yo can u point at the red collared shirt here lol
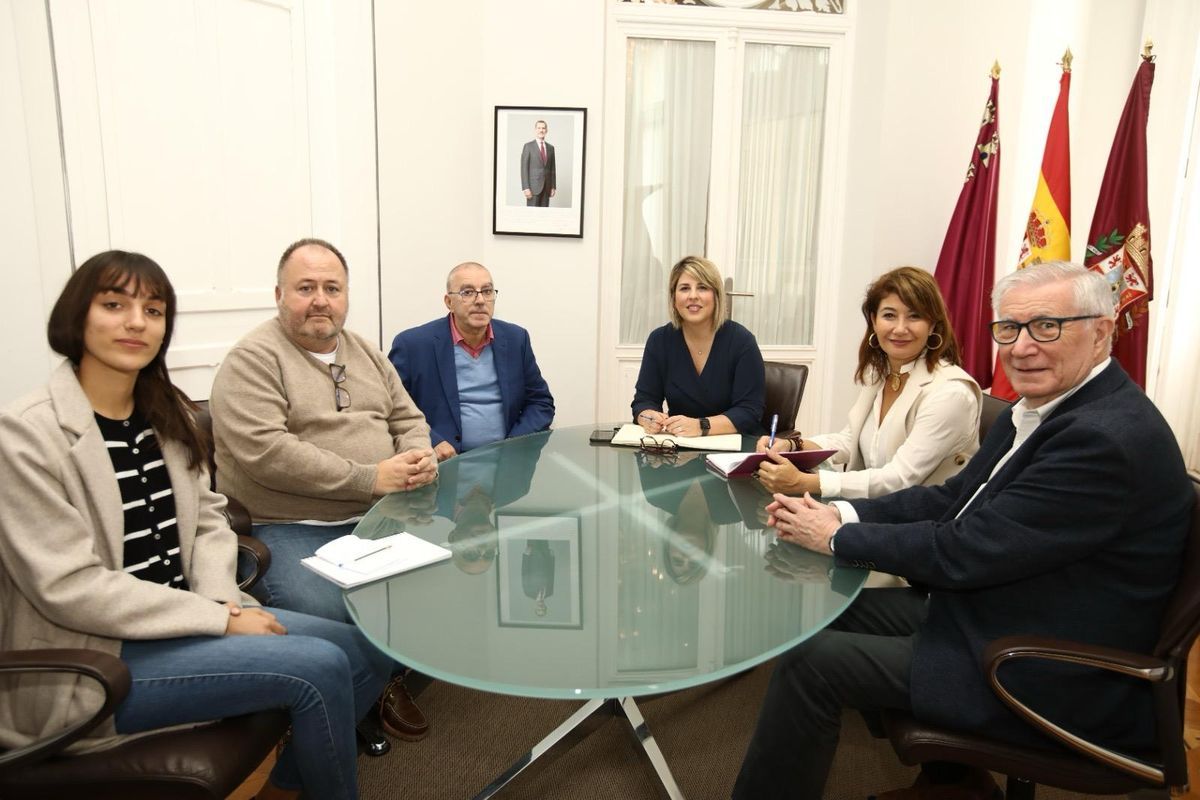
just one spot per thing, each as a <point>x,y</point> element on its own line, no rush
<point>459,340</point>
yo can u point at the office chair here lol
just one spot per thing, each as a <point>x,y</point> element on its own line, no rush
<point>205,763</point>
<point>992,408</point>
<point>1084,767</point>
<point>785,390</point>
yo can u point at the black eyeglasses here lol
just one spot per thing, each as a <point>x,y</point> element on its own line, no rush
<point>469,294</point>
<point>666,456</point>
<point>341,396</point>
<point>1041,329</point>
<point>657,447</point>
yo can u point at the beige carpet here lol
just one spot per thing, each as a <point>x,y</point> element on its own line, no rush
<point>703,732</point>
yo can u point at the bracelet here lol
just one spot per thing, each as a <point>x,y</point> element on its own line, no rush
<point>797,441</point>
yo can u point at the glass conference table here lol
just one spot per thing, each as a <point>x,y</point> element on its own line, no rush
<point>596,573</point>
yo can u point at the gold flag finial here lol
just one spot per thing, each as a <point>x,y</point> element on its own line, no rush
<point>1148,47</point>
<point>1066,60</point>
<point>996,69</point>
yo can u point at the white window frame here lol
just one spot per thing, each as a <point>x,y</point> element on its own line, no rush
<point>617,365</point>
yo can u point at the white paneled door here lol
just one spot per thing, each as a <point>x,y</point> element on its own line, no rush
<point>209,134</point>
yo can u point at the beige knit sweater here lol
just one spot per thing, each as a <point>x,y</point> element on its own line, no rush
<point>284,450</point>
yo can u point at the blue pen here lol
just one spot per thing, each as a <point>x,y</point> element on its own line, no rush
<point>774,425</point>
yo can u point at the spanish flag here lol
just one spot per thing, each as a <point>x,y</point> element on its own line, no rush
<point>1048,230</point>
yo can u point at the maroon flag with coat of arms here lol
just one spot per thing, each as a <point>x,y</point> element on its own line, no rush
<point>967,263</point>
<point>1119,239</point>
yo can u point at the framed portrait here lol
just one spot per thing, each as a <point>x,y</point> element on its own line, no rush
<point>537,171</point>
<point>538,575</point>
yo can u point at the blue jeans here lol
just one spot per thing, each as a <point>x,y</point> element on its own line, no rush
<point>325,674</point>
<point>289,584</point>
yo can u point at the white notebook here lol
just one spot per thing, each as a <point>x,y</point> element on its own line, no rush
<point>350,561</point>
<point>631,435</point>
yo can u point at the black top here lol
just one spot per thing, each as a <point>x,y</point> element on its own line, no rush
<point>733,382</point>
<point>151,535</point>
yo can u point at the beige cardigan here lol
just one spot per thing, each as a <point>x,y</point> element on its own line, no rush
<point>62,583</point>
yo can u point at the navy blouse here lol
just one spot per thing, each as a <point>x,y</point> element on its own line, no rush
<point>733,382</point>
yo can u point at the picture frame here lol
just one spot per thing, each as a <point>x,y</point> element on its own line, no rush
<point>538,576</point>
<point>536,190</point>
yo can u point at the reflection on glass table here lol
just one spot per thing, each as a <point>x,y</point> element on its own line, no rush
<point>592,572</point>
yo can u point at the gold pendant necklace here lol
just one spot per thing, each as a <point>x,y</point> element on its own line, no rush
<point>894,377</point>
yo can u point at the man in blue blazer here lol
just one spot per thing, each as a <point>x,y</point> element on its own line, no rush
<point>1069,522</point>
<point>474,377</point>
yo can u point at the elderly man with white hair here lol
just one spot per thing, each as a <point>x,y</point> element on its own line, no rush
<point>1069,522</point>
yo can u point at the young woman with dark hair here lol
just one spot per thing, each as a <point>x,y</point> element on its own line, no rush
<point>111,540</point>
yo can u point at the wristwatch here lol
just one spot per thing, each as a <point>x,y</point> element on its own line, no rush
<point>704,426</point>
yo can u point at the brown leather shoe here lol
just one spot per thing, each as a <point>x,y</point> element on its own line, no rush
<point>977,784</point>
<point>399,715</point>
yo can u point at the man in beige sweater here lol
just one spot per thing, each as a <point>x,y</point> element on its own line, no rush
<point>312,424</point>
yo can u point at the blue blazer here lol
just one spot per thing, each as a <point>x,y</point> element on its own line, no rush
<point>424,357</point>
<point>733,382</point>
<point>1078,536</point>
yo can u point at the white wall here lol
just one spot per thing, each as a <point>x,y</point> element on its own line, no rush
<point>917,90</point>
<point>919,82</point>
<point>919,86</point>
<point>35,261</point>
<point>441,69</point>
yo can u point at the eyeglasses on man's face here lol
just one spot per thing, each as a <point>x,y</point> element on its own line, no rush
<point>1041,329</point>
<point>488,294</point>
<point>341,395</point>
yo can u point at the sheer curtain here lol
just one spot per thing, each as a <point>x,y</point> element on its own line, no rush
<point>668,148</point>
<point>783,117</point>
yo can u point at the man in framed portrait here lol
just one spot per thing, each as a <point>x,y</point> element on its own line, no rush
<point>538,168</point>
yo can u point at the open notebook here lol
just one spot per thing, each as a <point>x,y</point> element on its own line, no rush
<point>741,465</point>
<point>632,434</point>
<point>350,561</point>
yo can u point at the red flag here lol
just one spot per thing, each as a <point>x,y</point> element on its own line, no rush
<point>1119,239</point>
<point>1048,231</point>
<point>968,259</point>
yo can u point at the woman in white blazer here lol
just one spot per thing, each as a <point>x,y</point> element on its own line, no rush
<point>111,540</point>
<point>916,419</point>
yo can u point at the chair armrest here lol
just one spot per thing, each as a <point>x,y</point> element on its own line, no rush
<point>241,523</point>
<point>262,559</point>
<point>1162,676</point>
<point>238,516</point>
<point>109,671</point>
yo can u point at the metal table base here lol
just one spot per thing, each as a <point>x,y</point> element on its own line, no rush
<point>590,716</point>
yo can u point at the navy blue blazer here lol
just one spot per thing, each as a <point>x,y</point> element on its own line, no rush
<point>1078,536</point>
<point>424,357</point>
<point>733,382</point>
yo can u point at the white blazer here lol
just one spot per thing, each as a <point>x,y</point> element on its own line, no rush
<point>927,436</point>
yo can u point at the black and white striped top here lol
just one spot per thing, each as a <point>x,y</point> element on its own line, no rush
<point>151,535</point>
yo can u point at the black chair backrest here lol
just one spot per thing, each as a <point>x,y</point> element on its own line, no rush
<point>785,390</point>
<point>1181,623</point>
<point>992,408</point>
<point>203,418</point>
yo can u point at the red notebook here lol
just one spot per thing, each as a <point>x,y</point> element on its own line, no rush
<point>742,465</point>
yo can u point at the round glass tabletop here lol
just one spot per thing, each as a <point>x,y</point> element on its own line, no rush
<point>583,571</point>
